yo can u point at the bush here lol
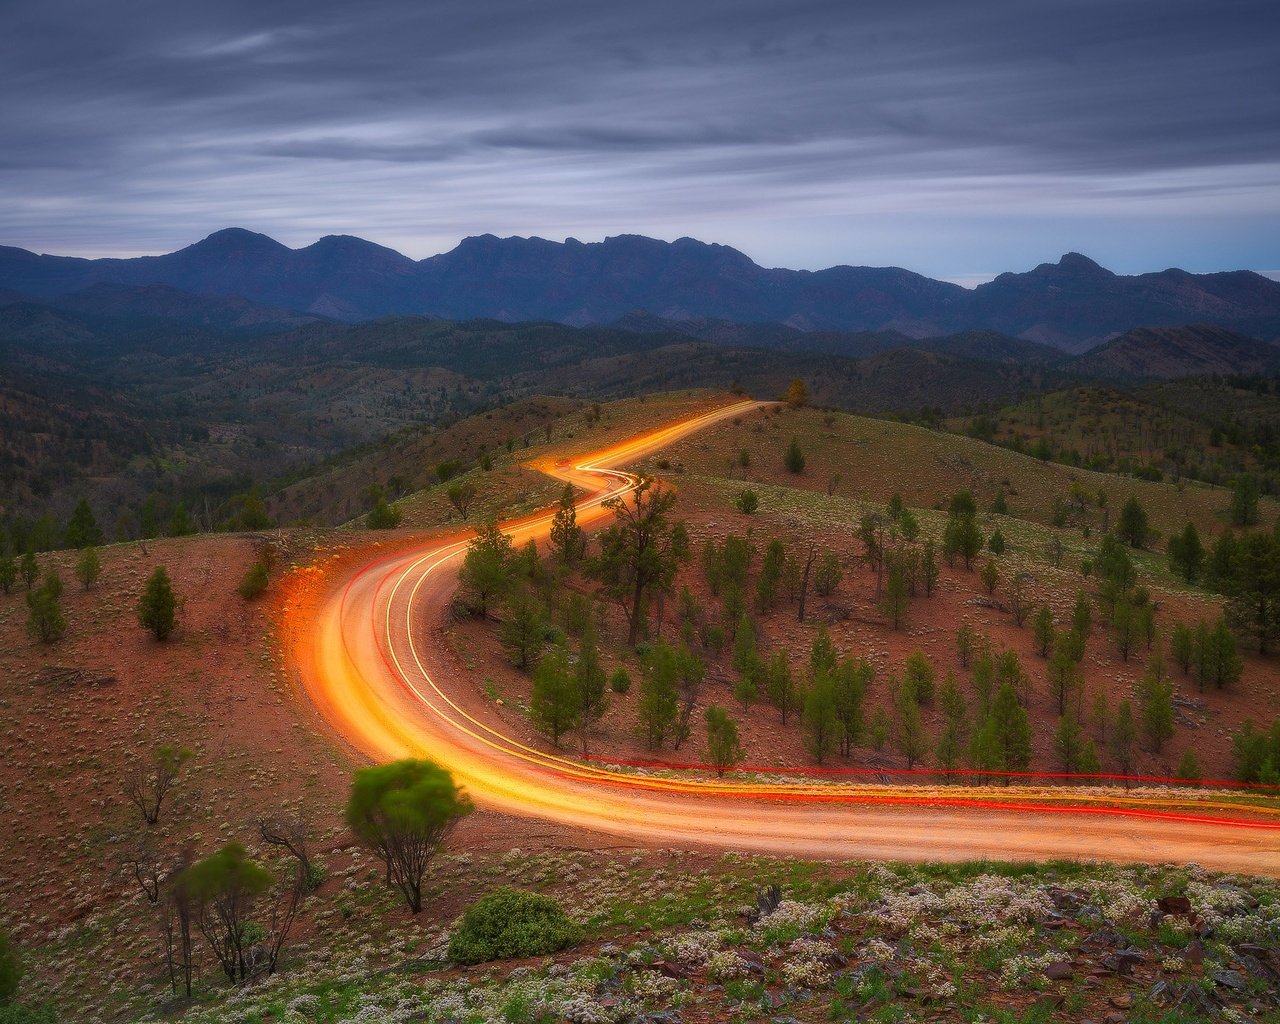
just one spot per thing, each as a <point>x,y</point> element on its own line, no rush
<point>620,681</point>
<point>748,501</point>
<point>254,582</point>
<point>10,970</point>
<point>511,923</point>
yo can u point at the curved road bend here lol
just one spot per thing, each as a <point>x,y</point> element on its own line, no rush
<point>367,663</point>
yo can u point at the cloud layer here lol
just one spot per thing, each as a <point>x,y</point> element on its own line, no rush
<point>950,138</point>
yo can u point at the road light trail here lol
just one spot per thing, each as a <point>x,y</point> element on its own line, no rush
<point>365,659</point>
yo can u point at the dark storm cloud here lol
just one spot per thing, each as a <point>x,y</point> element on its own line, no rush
<point>136,125</point>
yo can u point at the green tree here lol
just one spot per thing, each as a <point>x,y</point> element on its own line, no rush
<point>1256,753</point>
<point>962,537</point>
<point>1127,623</point>
<point>1010,730</point>
<point>1182,646</point>
<point>252,513</point>
<point>770,578</point>
<point>589,679</point>
<point>1189,767</point>
<point>158,606</point>
<point>1244,500</point>
<point>910,738</point>
<point>919,677</point>
<point>990,575</point>
<point>180,522</point>
<point>641,551</point>
<point>8,572</point>
<point>996,543</point>
<point>567,539</point>
<point>1065,677</point>
<point>827,576</point>
<point>1253,592</point>
<point>524,630</point>
<point>150,779</point>
<point>29,568</point>
<point>403,812</point>
<point>794,458</point>
<point>487,567</point>
<point>82,528</point>
<point>850,681</point>
<point>1155,695</point>
<point>226,886</point>
<point>954,728</point>
<point>553,704</point>
<point>1133,527</point>
<point>45,622</point>
<point>821,726</point>
<point>382,516</point>
<point>1124,738</point>
<point>966,643</point>
<point>620,681</point>
<point>747,502</point>
<point>897,599</point>
<point>659,703</point>
<point>1044,631</point>
<point>723,748</point>
<point>780,686</point>
<point>1186,553</point>
<point>1069,743</point>
<point>1081,615</point>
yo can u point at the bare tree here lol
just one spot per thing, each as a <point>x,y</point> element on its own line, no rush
<point>177,913</point>
<point>144,863</point>
<point>291,834</point>
<point>804,581</point>
<point>149,782</point>
<point>461,496</point>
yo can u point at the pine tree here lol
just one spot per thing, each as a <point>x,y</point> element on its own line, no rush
<point>1011,730</point>
<point>659,703</point>
<point>524,630</point>
<point>794,458</point>
<point>851,681</point>
<point>487,567</point>
<point>553,705</point>
<point>912,742</point>
<point>1124,737</point>
<point>1068,743</point>
<point>1133,527</point>
<point>724,750</point>
<point>780,686</point>
<point>158,606</point>
<point>1186,553</point>
<point>1044,631</point>
<point>1156,702</point>
<point>82,528</point>
<point>88,568</point>
<point>896,600</point>
<point>45,621</point>
<point>589,679</point>
<point>566,535</point>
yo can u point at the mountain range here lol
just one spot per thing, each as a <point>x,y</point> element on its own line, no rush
<point>638,283</point>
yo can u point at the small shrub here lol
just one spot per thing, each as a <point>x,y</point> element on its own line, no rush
<point>254,582</point>
<point>620,681</point>
<point>511,923</point>
<point>748,501</point>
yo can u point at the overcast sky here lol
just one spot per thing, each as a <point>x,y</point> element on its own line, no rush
<point>952,138</point>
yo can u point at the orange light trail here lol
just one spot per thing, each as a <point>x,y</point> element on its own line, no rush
<point>362,661</point>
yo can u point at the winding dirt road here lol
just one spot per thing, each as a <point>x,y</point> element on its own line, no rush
<point>365,660</point>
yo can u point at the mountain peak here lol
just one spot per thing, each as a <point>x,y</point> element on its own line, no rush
<point>1080,264</point>
<point>239,239</point>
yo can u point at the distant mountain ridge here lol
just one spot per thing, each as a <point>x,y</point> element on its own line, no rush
<point>1070,305</point>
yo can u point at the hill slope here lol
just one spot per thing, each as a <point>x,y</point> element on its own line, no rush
<point>1167,353</point>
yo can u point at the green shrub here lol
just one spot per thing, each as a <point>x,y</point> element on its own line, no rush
<point>254,582</point>
<point>511,923</point>
<point>620,681</point>
<point>748,501</point>
<point>10,970</point>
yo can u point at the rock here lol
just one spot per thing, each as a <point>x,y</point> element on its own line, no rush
<point>1123,960</point>
<point>1174,905</point>
<point>1103,938</point>
<point>663,1017</point>
<point>1113,1018</point>
<point>1194,953</point>
<point>1059,970</point>
<point>1258,969</point>
<point>1121,1002</point>
<point>1233,980</point>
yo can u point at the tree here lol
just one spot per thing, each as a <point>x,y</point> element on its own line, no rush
<point>82,528</point>
<point>1256,753</point>
<point>794,458</point>
<point>553,704</point>
<point>1044,631</point>
<point>1244,500</point>
<point>929,569</point>
<point>382,516</point>
<point>292,834</point>
<point>896,600</point>
<point>770,578</point>
<point>919,677</point>
<point>461,495</point>
<point>1133,527</point>
<point>780,685</point>
<point>821,726</point>
<point>1156,703</point>
<point>589,679</point>
<point>1189,767</point>
<point>659,704</point>
<point>225,886</point>
<point>1127,624</point>
<point>1186,553</point>
<point>955,712</point>
<point>723,748</point>
<point>45,621</point>
<point>996,543</point>
<point>990,575</point>
<point>1010,731</point>
<point>403,812</point>
<point>29,568</point>
<point>158,606</point>
<point>641,551</point>
<point>180,522</point>
<point>567,539</point>
<point>1065,677</point>
<point>1182,646</point>
<point>524,631</point>
<point>1124,737</point>
<point>797,393</point>
<point>962,536</point>
<point>1081,616</point>
<point>487,567</point>
<point>910,737</point>
<point>1069,743</point>
<point>1253,592</point>
<point>827,576</point>
<point>747,502</point>
<point>966,643</point>
<point>8,572</point>
<point>851,680</point>
<point>150,780</point>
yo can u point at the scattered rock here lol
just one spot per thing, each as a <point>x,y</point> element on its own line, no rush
<point>1233,980</point>
<point>1121,1002</point>
<point>1174,905</point>
<point>1059,970</point>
